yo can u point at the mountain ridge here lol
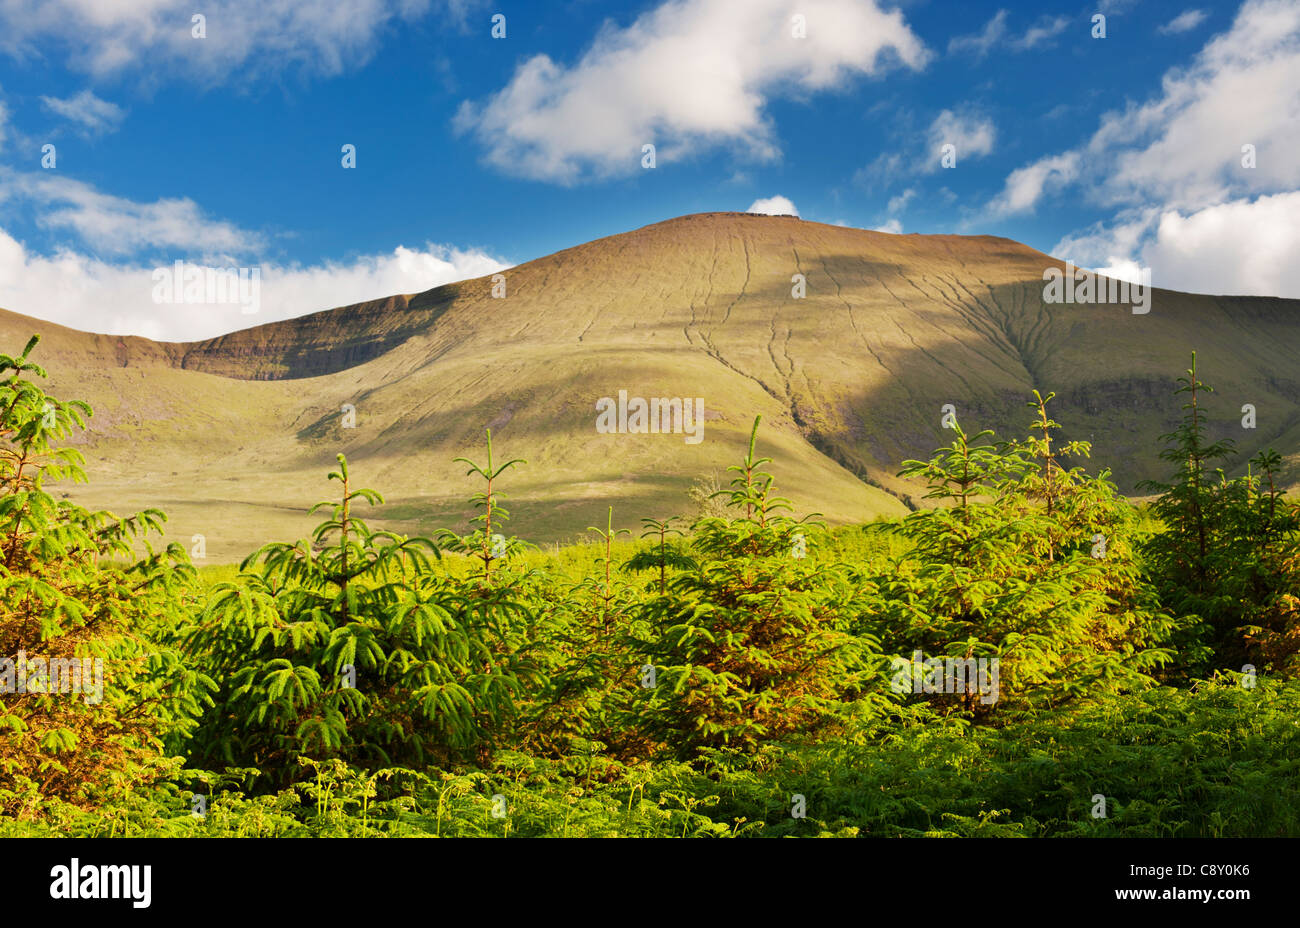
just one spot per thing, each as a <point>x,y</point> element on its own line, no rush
<point>850,379</point>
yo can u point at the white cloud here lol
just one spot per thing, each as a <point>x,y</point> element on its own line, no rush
<point>118,226</point>
<point>1108,243</point>
<point>1041,34</point>
<point>922,152</point>
<point>1024,186</point>
<point>893,227</point>
<point>87,111</point>
<point>688,76</point>
<point>887,167</point>
<point>103,279</point>
<point>1239,247</point>
<point>1127,270</point>
<point>972,136</point>
<point>995,33</point>
<point>83,292</point>
<point>899,203</point>
<point>1191,209</point>
<point>1183,22</point>
<point>245,38</point>
<point>774,206</point>
<point>1243,88</point>
<point>1184,148</point>
<point>982,42</point>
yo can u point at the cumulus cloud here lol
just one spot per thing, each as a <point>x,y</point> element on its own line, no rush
<point>1024,186</point>
<point>84,292</point>
<point>1183,22</point>
<point>1180,165</point>
<point>1243,88</point>
<point>773,206</point>
<point>1184,148</point>
<point>244,38</point>
<point>100,278</point>
<point>1108,243</point>
<point>87,111</point>
<point>687,76</point>
<point>1238,247</point>
<point>972,136</point>
<point>899,203</point>
<point>893,227</point>
<point>1241,247</point>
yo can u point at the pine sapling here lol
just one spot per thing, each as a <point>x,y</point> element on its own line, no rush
<point>486,500</point>
<point>608,535</point>
<point>661,556</point>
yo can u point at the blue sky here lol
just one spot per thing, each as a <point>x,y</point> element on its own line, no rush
<point>474,152</point>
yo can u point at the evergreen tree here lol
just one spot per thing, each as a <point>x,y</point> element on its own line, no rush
<point>1188,555</point>
<point>1229,548</point>
<point>350,646</point>
<point>748,647</point>
<point>91,697</point>
<point>1025,563</point>
<point>1263,531</point>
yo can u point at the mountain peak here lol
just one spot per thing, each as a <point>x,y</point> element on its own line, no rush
<point>848,342</point>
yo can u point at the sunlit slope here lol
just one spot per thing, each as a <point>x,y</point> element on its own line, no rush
<point>233,436</point>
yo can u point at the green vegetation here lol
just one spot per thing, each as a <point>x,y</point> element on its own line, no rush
<point>1032,655</point>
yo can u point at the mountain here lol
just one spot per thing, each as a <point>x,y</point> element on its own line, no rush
<point>233,436</point>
